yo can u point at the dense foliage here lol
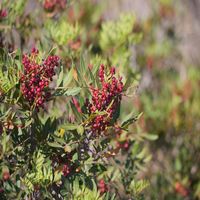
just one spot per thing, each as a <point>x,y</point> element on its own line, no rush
<point>73,124</point>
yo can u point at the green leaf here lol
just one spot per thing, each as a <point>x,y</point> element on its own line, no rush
<point>142,154</point>
<point>89,183</point>
<point>57,176</point>
<point>60,77</point>
<point>67,80</point>
<point>20,131</point>
<point>69,127</point>
<point>130,119</point>
<point>28,123</point>
<point>53,144</point>
<point>73,91</point>
<point>135,38</point>
<point>150,136</point>
<point>91,76</point>
<point>75,112</point>
<point>178,164</point>
<point>139,186</point>
<point>82,68</point>
<point>80,130</point>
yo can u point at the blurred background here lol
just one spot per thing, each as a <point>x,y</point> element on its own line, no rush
<point>169,91</point>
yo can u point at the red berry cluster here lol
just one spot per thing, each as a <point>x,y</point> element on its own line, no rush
<point>123,145</point>
<point>181,189</point>
<point>6,175</point>
<point>66,170</point>
<point>102,186</point>
<point>3,13</point>
<point>106,98</point>
<point>36,77</point>
<point>50,5</point>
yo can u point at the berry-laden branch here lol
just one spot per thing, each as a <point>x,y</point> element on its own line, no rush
<point>36,78</point>
<point>106,98</point>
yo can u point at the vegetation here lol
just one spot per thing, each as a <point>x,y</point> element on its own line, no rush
<point>78,119</point>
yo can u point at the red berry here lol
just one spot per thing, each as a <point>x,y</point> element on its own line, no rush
<point>102,186</point>
<point>66,170</point>
<point>3,13</point>
<point>6,175</point>
<point>126,145</point>
<point>50,5</point>
<point>181,189</point>
<point>37,76</point>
